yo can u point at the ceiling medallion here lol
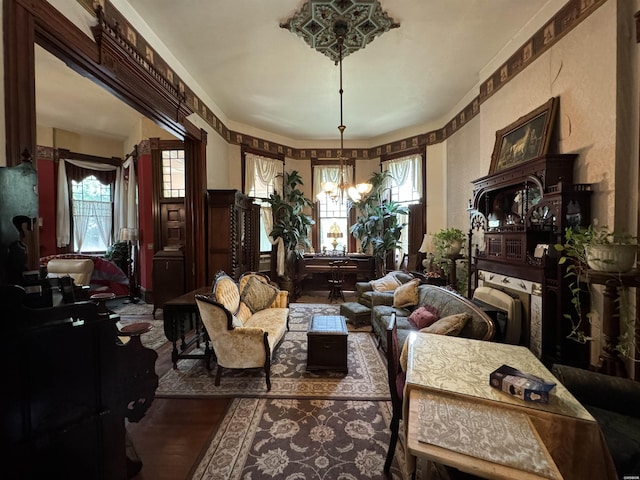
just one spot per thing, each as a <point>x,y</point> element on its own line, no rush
<point>315,20</point>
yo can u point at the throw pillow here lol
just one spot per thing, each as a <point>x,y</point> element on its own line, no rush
<point>385,284</point>
<point>258,295</point>
<point>406,295</point>
<point>422,317</point>
<point>451,325</point>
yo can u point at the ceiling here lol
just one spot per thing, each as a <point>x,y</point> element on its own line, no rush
<point>262,76</point>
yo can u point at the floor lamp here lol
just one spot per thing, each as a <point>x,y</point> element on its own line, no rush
<point>130,235</point>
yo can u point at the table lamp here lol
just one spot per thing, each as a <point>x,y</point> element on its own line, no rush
<point>335,233</point>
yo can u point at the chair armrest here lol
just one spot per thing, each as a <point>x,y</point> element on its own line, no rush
<point>615,394</point>
<point>362,287</point>
<point>382,298</point>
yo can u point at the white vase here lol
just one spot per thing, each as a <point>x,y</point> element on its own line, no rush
<point>618,258</point>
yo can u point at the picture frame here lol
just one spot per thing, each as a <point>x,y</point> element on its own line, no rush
<point>525,139</point>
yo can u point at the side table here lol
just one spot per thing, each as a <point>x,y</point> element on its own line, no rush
<point>182,322</point>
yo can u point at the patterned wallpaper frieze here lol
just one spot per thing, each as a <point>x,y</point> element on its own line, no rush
<point>572,14</point>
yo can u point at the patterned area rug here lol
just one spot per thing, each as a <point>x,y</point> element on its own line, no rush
<point>367,376</point>
<point>301,439</point>
<point>132,308</point>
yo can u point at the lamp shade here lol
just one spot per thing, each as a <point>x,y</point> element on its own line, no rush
<point>334,231</point>
<point>129,234</point>
<point>427,244</point>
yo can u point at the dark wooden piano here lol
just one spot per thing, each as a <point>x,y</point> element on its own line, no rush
<point>315,270</point>
<point>69,383</point>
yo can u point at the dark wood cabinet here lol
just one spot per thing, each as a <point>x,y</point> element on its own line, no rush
<point>168,277</point>
<point>517,215</point>
<point>68,386</point>
<point>233,233</point>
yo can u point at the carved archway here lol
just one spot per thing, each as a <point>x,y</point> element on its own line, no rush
<point>110,63</point>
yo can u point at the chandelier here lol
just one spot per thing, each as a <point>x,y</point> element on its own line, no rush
<point>336,190</point>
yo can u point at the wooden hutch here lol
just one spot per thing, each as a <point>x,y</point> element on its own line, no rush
<point>517,215</point>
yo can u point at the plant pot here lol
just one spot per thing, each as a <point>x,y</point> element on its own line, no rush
<point>618,258</point>
<point>455,247</point>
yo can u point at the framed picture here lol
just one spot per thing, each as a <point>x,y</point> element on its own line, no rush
<point>525,139</point>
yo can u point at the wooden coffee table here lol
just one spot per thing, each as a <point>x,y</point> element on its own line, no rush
<point>327,343</point>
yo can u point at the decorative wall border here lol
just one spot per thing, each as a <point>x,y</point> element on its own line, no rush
<point>567,18</point>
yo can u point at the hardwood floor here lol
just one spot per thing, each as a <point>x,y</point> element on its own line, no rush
<point>174,433</point>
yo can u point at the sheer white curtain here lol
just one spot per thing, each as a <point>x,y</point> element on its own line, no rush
<point>322,174</point>
<point>63,205</point>
<point>261,180</point>
<point>261,174</point>
<point>125,211</point>
<point>407,176</point>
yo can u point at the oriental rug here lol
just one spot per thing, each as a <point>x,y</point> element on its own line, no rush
<point>366,377</point>
<point>301,439</point>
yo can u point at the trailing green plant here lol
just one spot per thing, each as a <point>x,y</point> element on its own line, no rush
<point>443,240</point>
<point>378,225</point>
<point>290,222</point>
<point>574,254</point>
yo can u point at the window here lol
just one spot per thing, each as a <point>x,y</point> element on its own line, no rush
<point>405,187</point>
<point>332,213</point>
<point>260,181</point>
<point>173,184</point>
<point>92,215</point>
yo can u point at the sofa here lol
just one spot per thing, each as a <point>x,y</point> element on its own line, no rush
<point>613,402</point>
<point>379,286</point>
<point>441,302</point>
<point>245,321</point>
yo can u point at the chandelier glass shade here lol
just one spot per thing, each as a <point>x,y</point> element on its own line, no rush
<point>336,190</point>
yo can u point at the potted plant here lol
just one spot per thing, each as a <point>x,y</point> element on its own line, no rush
<point>448,243</point>
<point>597,249</point>
<point>291,223</point>
<point>379,225</point>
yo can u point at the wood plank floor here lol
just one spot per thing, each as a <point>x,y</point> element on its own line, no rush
<point>174,433</point>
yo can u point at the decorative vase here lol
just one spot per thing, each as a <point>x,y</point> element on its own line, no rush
<point>618,258</point>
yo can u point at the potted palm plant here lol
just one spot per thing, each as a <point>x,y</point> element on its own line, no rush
<point>291,223</point>
<point>379,223</point>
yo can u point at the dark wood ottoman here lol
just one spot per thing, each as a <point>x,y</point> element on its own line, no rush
<point>357,313</point>
<point>327,343</point>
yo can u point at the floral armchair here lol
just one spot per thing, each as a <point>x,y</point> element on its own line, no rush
<point>245,321</point>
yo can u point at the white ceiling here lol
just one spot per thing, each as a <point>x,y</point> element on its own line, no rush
<point>265,77</point>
